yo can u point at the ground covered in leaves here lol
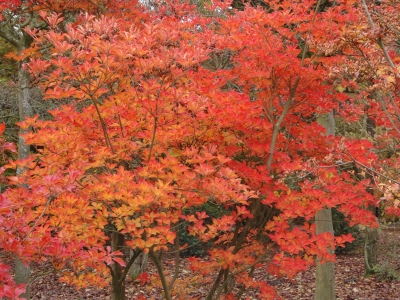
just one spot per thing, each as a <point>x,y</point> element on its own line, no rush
<point>350,281</point>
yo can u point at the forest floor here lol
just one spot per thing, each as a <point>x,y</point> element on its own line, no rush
<point>349,269</point>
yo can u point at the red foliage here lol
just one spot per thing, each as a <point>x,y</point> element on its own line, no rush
<point>155,124</point>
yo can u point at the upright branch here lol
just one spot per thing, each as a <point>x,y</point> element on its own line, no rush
<point>277,125</point>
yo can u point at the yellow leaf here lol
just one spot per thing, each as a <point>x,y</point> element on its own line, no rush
<point>339,88</point>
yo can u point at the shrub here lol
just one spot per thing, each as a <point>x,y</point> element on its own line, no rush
<point>340,227</point>
<point>385,272</point>
<point>194,246</point>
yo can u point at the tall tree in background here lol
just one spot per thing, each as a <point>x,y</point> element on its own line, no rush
<point>371,76</point>
<point>12,30</point>
<point>325,272</point>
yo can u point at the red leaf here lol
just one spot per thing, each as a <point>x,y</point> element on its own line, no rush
<point>143,278</point>
<point>120,261</point>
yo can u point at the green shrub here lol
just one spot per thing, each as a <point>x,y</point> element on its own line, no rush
<point>386,272</point>
<point>194,246</point>
<point>340,227</point>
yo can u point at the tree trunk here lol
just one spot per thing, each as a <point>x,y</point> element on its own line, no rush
<point>325,274</point>
<point>22,40</point>
<point>139,266</point>
<point>22,274</point>
<point>371,234</point>
<point>117,272</point>
<point>370,250</point>
<point>22,271</point>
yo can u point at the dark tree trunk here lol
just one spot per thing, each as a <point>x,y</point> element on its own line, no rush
<point>117,272</point>
<point>371,234</point>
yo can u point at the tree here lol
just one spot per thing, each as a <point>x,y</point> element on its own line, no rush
<point>8,287</point>
<point>149,131</point>
<point>132,128</point>
<point>325,274</point>
<point>11,30</point>
<point>298,52</point>
<point>371,76</point>
<point>16,17</point>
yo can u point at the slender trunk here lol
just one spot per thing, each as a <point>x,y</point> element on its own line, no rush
<point>370,250</point>
<point>325,274</point>
<point>371,234</point>
<point>117,272</point>
<point>215,285</point>
<point>177,259</point>
<point>22,271</point>
<point>160,270</point>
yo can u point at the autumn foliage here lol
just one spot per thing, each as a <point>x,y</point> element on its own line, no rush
<point>153,123</point>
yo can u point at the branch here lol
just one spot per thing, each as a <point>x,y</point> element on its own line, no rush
<point>240,270</point>
<point>303,56</point>
<point>278,124</point>
<point>160,270</point>
<point>177,260</point>
<point>153,138</point>
<point>214,287</point>
<point>37,220</point>
<point>103,126</point>
<point>387,114</point>
<point>380,42</point>
<point>128,266</point>
<point>372,170</point>
<point>27,21</point>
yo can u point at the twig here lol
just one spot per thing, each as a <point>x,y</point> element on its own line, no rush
<point>303,56</point>
<point>372,170</point>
